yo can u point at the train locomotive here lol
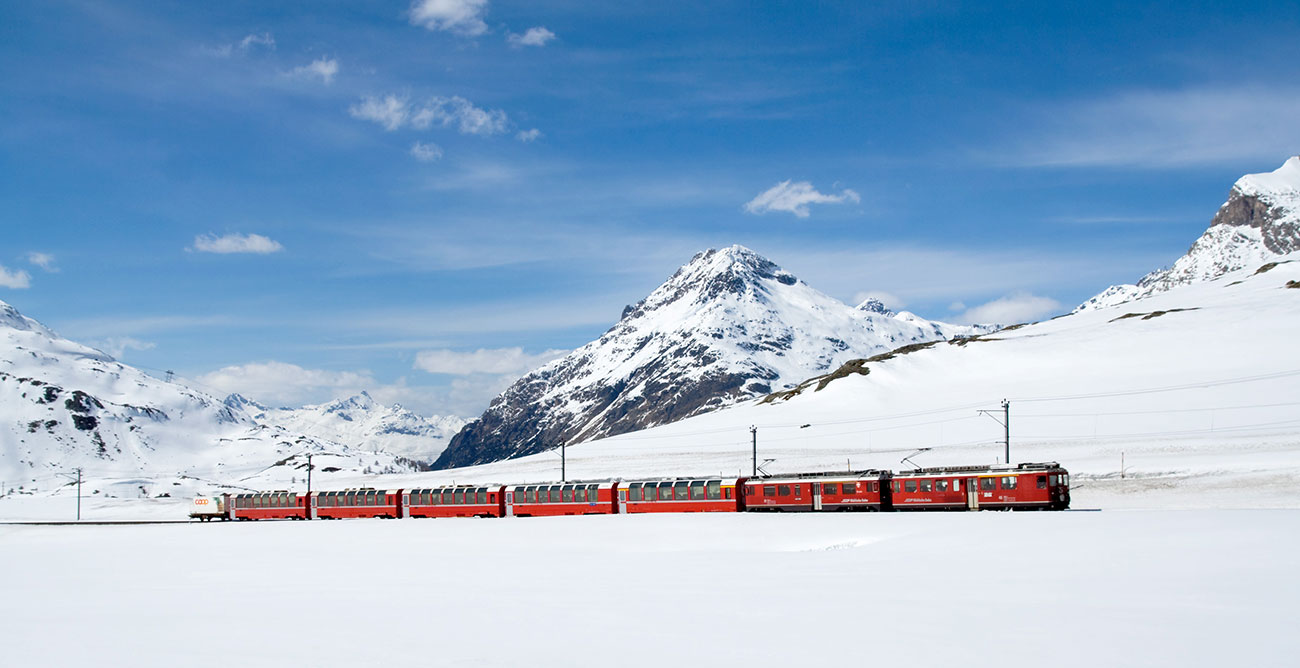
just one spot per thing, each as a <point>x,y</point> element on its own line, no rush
<point>1029,486</point>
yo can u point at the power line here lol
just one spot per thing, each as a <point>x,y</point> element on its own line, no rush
<point>1158,412</point>
<point>1171,388</point>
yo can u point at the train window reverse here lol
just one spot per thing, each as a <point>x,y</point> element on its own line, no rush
<point>909,485</point>
<point>580,495</point>
<point>941,485</point>
<point>482,496</point>
<point>925,485</point>
<point>555,493</point>
<point>680,491</point>
<point>987,484</point>
<point>459,497</point>
<point>1042,482</point>
<point>1009,482</point>
<point>831,488</point>
<point>769,490</point>
<point>634,492</point>
<point>697,491</point>
<point>568,493</point>
<point>783,490</point>
<point>665,491</point>
<point>714,489</point>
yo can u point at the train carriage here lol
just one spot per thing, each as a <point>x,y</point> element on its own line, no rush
<point>455,501</point>
<point>267,506</point>
<point>1036,486</point>
<point>857,490</point>
<point>364,502</point>
<point>582,498</point>
<point>681,495</point>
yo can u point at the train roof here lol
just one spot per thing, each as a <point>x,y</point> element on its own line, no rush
<point>822,476</point>
<point>1001,469</point>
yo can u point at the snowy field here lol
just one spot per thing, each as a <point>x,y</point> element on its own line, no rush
<point>1152,588</point>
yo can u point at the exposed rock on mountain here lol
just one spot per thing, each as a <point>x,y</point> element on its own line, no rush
<point>1259,223</point>
<point>728,326</point>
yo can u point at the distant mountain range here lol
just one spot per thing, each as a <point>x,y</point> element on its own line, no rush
<point>1259,223</point>
<point>730,325</point>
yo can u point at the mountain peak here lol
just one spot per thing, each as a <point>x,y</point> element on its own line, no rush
<point>873,305</point>
<point>1281,182</point>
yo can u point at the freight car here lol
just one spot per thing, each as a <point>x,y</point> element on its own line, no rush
<point>1034,486</point>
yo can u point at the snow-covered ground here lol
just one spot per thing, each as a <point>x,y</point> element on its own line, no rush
<point>1150,588</point>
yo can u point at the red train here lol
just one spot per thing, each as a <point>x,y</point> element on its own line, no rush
<point>1043,486</point>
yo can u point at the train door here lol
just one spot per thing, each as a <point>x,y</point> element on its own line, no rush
<point>311,506</point>
<point>972,494</point>
<point>405,510</point>
<point>817,496</point>
<point>510,502</point>
<point>622,501</point>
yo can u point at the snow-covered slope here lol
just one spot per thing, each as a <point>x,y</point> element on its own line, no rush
<point>363,422</point>
<point>1194,392</point>
<point>728,326</point>
<point>65,406</point>
<point>1259,223</point>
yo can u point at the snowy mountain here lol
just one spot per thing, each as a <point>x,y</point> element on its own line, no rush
<point>363,422</point>
<point>728,326</point>
<point>1259,223</point>
<point>65,406</point>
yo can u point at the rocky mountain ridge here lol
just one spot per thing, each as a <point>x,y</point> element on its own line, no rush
<point>1259,223</point>
<point>728,326</point>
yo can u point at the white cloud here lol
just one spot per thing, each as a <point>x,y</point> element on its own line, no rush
<point>119,345</point>
<point>1014,308</point>
<point>537,36</point>
<point>257,39</point>
<point>325,68</point>
<point>283,384</point>
<point>527,136</point>
<point>1161,129</point>
<point>394,112</point>
<point>43,260</point>
<point>469,119</point>
<point>426,152</point>
<point>235,243</point>
<point>389,111</point>
<point>795,197</point>
<point>462,17</point>
<point>501,361</point>
<point>17,280</point>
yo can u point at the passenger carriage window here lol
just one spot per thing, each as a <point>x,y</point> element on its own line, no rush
<point>925,485</point>
<point>580,495</point>
<point>634,492</point>
<point>831,488</point>
<point>568,494</point>
<point>987,484</point>
<point>697,491</point>
<point>555,493</point>
<point>769,490</point>
<point>459,497</point>
<point>482,496</point>
<point>680,491</point>
<point>713,490</point>
<point>665,491</point>
<point>909,485</point>
<point>941,485</point>
<point>783,490</point>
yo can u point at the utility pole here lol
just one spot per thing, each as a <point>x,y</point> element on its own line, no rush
<point>69,475</point>
<point>309,477</point>
<point>753,433</point>
<point>1006,425</point>
<point>563,479</point>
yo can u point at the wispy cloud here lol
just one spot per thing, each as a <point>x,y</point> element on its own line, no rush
<point>250,42</point>
<point>394,112</point>
<point>1161,129</point>
<point>527,136</point>
<point>43,260</point>
<point>500,361</point>
<point>117,346</point>
<point>1011,309</point>
<point>323,68</point>
<point>426,152</point>
<point>794,197</point>
<point>284,384</point>
<point>461,17</point>
<point>235,243</point>
<point>537,36</point>
<point>14,279</point>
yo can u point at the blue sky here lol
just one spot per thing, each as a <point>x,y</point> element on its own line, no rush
<point>426,199</point>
